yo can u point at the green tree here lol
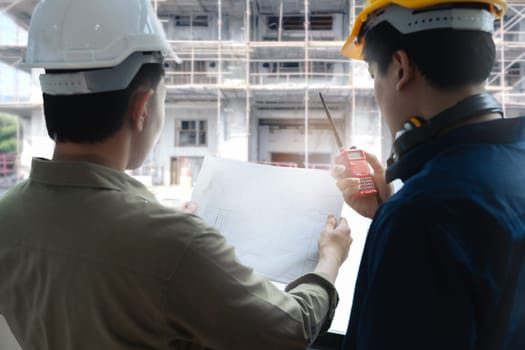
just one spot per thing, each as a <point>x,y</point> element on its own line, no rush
<point>8,140</point>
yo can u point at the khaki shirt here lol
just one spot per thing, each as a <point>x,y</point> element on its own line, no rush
<point>90,260</point>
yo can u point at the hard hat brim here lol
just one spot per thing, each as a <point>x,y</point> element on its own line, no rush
<point>354,49</point>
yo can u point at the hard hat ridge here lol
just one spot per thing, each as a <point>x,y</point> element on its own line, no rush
<point>90,35</point>
<point>410,21</point>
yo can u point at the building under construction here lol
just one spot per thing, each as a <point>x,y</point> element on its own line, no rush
<point>249,84</point>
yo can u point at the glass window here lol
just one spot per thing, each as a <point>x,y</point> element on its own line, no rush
<point>195,21</point>
<point>192,133</point>
<point>182,21</point>
<point>297,22</point>
<point>200,21</point>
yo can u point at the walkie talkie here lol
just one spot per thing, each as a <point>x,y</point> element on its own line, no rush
<point>353,159</point>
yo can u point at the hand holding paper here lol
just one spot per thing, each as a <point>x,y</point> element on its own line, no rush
<point>334,245</point>
<point>273,216</point>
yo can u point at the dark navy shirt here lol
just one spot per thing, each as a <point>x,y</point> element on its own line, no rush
<point>444,262</point>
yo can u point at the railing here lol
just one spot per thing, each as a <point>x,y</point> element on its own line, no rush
<point>185,78</point>
<point>256,79</point>
<point>290,78</point>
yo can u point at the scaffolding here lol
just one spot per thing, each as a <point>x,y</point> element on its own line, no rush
<point>279,60</point>
<point>284,66</point>
<point>276,55</point>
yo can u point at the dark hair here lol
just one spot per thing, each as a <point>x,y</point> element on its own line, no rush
<point>447,58</point>
<point>91,118</point>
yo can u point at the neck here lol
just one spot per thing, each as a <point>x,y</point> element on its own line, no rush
<point>110,153</point>
<point>434,101</point>
<point>425,101</point>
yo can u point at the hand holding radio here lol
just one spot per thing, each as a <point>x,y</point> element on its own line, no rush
<point>350,187</point>
<point>356,165</point>
<point>353,159</point>
<point>355,180</point>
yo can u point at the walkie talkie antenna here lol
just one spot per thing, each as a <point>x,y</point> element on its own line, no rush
<point>336,134</point>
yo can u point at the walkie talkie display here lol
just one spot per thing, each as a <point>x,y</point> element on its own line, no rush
<point>353,159</point>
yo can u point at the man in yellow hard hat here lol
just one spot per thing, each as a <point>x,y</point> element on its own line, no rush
<point>444,262</point>
<point>88,258</point>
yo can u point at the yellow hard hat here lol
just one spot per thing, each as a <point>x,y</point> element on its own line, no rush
<point>353,47</point>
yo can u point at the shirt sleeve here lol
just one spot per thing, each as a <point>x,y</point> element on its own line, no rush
<point>215,301</point>
<point>425,282</point>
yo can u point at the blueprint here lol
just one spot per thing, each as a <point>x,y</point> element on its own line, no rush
<point>271,215</point>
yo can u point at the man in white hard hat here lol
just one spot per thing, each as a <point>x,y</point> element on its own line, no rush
<point>88,258</point>
<point>444,261</point>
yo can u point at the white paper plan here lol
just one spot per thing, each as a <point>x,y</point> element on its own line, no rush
<point>273,216</point>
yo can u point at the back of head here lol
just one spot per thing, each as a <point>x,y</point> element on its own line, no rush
<point>449,41</point>
<point>95,53</point>
<point>94,117</point>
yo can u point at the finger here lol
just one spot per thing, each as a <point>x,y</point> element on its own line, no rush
<point>374,162</point>
<point>338,171</point>
<point>349,184</point>
<point>331,222</point>
<point>343,224</point>
<point>190,207</point>
<point>345,228</point>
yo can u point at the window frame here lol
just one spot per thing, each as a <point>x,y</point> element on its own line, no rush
<point>196,131</point>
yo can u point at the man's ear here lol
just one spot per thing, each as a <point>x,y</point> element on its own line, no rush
<point>139,108</point>
<point>404,69</point>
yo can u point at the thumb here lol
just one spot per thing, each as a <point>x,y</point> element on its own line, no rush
<point>374,162</point>
<point>338,171</point>
<point>190,207</point>
<point>331,222</point>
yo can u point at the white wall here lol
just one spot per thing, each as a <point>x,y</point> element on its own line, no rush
<point>188,111</point>
<point>166,149</point>
<point>234,143</point>
<point>292,140</point>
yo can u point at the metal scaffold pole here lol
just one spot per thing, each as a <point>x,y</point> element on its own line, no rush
<point>220,129</point>
<point>248,61</point>
<point>280,29</point>
<point>306,81</point>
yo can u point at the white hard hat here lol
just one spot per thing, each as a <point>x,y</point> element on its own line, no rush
<point>87,35</point>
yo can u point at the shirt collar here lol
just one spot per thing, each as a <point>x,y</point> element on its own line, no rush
<point>493,132</point>
<point>84,174</point>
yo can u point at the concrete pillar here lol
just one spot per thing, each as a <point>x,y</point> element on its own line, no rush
<point>234,141</point>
